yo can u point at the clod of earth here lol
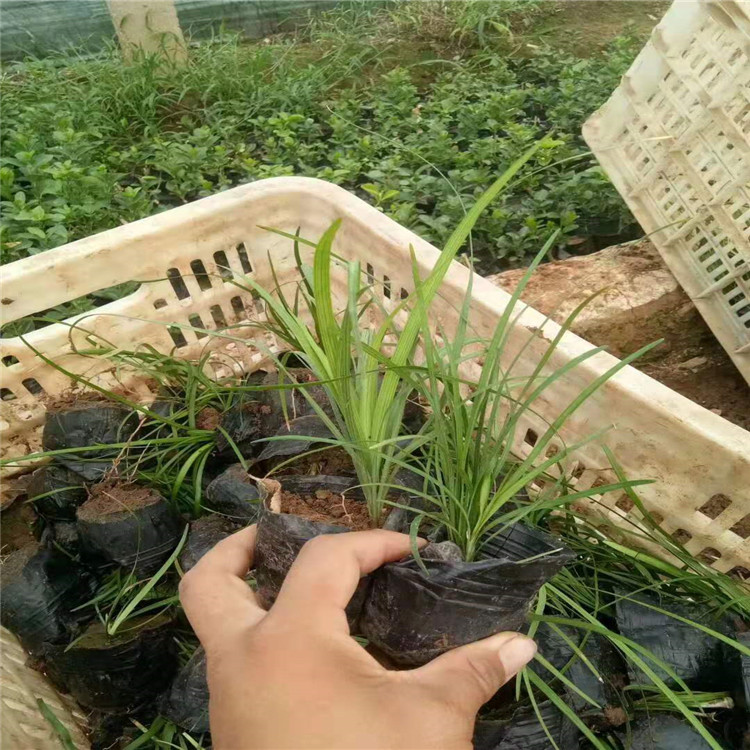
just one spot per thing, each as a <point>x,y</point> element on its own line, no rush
<point>88,424</point>
<point>39,588</point>
<point>128,525</point>
<point>414,617</point>
<point>116,672</point>
<point>234,495</point>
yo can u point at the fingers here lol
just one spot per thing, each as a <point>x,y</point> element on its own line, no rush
<point>472,674</point>
<point>214,594</point>
<point>326,572</point>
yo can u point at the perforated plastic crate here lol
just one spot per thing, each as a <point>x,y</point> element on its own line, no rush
<point>700,461</point>
<point>675,140</point>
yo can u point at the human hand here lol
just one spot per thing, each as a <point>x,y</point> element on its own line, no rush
<point>294,678</point>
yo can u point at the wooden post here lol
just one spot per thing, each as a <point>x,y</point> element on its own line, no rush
<point>149,25</point>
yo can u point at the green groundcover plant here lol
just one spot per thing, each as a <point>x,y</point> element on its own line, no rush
<point>89,143</point>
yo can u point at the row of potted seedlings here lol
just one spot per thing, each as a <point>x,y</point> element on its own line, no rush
<point>93,523</point>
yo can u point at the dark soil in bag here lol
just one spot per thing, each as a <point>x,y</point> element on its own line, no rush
<point>62,535</point>
<point>128,525</point>
<point>744,639</point>
<point>119,672</point>
<point>108,731</point>
<point>56,492</point>
<point>242,423</point>
<point>414,617</point>
<point>85,424</point>
<point>699,659</point>
<point>658,732</point>
<point>38,590</point>
<point>601,654</point>
<point>310,506</point>
<point>307,433</point>
<point>257,414</point>
<point>204,535</point>
<point>234,495</point>
<point>186,702</point>
<point>292,400</point>
<point>524,731</point>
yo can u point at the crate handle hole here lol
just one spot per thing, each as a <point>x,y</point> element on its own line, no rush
<point>9,360</point>
<point>178,283</point>
<point>237,306</point>
<point>715,506</point>
<point>244,258</point>
<point>177,337</point>
<point>196,322</point>
<point>742,527</point>
<point>218,315</point>
<point>625,504</point>
<point>682,536</point>
<point>709,555</point>
<point>222,265</point>
<point>32,386</point>
<point>201,275</point>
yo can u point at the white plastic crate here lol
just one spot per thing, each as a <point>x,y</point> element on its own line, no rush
<point>694,455</point>
<point>675,140</point>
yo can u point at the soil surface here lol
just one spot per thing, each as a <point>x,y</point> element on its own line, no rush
<point>15,564</point>
<point>208,418</point>
<point>108,499</point>
<point>328,507</point>
<point>15,527</point>
<point>640,302</point>
<point>333,462</point>
<point>586,28</point>
<point>77,400</point>
<point>705,374</point>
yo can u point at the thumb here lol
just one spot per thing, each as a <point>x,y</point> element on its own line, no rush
<point>471,675</point>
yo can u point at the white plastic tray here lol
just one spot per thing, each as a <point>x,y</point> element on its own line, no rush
<point>675,140</point>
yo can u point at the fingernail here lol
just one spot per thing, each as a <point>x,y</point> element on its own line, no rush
<point>516,653</point>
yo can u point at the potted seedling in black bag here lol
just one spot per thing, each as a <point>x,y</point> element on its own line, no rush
<point>77,428</point>
<point>365,400</point>
<point>40,588</point>
<point>119,671</point>
<point>475,492</point>
<point>128,525</point>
